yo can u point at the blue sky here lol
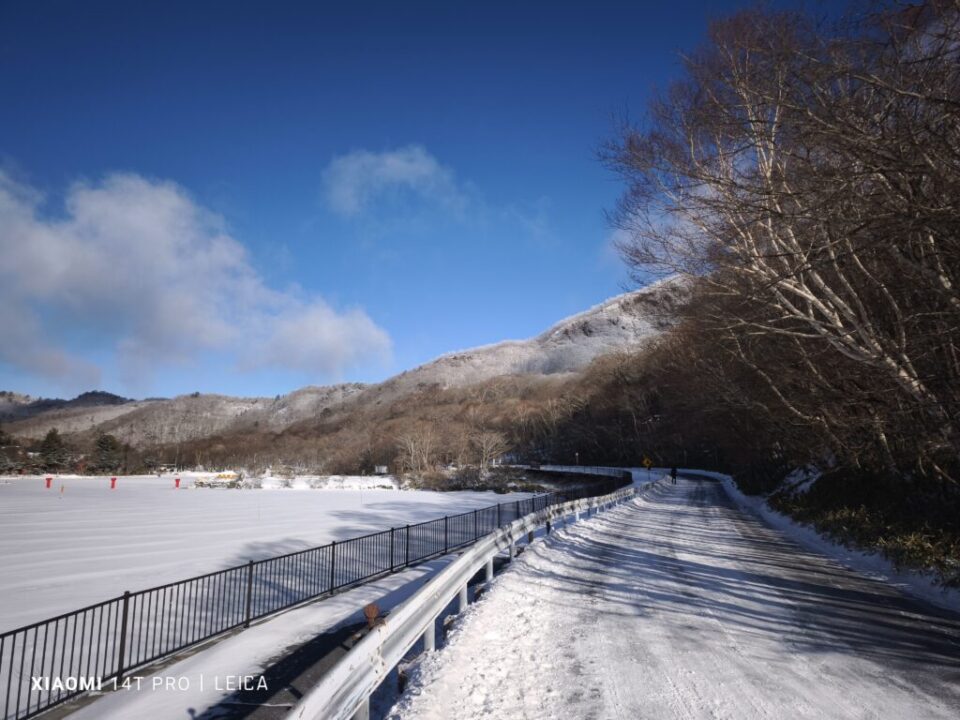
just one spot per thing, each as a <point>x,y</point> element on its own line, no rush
<point>249,197</point>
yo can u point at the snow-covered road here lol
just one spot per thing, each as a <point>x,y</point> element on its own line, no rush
<point>678,605</point>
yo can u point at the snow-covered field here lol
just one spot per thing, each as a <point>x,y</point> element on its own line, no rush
<point>63,549</point>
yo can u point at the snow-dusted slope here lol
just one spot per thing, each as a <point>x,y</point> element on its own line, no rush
<point>12,403</point>
<point>186,417</point>
<point>623,322</point>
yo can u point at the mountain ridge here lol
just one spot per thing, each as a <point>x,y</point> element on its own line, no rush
<point>619,323</point>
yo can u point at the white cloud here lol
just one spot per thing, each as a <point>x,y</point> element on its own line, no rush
<point>355,181</point>
<point>139,266</point>
<point>315,337</point>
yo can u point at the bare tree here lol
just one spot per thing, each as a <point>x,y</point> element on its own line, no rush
<point>812,181</point>
<point>489,446</point>
<point>417,448</point>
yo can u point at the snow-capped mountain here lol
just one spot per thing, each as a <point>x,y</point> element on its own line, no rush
<point>620,323</point>
<point>624,322</point>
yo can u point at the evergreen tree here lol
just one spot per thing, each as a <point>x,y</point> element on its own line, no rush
<point>53,451</point>
<point>9,461</point>
<point>109,452</point>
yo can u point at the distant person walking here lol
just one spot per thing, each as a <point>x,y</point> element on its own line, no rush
<point>673,475</point>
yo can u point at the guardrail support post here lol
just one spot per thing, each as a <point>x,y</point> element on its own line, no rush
<point>529,537</point>
<point>490,569</point>
<point>464,599</point>
<point>430,637</point>
<point>123,634</point>
<point>246,612</point>
<point>548,526</point>
<point>362,712</point>
<point>513,550</point>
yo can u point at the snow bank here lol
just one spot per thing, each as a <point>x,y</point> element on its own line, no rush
<point>916,583</point>
<point>328,482</point>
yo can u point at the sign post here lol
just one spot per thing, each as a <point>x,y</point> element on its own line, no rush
<point>647,463</point>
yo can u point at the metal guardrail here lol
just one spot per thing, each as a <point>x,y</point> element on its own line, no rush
<point>344,692</point>
<point>584,470</point>
<point>93,647</point>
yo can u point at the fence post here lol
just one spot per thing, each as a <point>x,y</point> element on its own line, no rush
<point>499,524</point>
<point>406,554</point>
<point>123,634</point>
<point>333,564</point>
<point>446,546</point>
<point>246,622</point>
<point>476,526</point>
<point>391,549</point>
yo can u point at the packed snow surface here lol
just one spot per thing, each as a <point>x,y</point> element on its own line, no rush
<point>63,550</point>
<point>679,605</point>
<point>920,584</point>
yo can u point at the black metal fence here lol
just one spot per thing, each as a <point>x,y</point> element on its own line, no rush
<point>51,661</point>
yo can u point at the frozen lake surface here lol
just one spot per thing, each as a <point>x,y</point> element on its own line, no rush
<point>60,551</point>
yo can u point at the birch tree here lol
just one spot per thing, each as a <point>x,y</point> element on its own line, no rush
<point>811,179</point>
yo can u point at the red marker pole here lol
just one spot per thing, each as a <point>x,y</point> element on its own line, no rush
<point>49,480</point>
<point>176,483</point>
<point>113,483</point>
